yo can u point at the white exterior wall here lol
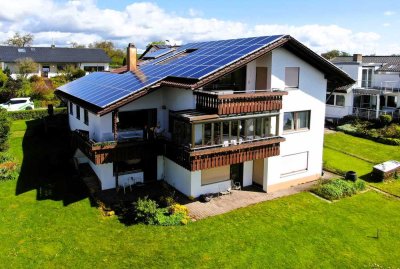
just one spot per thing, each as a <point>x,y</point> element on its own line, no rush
<point>310,96</point>
<point>387,80</point>
<point>179,177</point>
<point>332,111</point>
<point>353,70</point>
<point>106,65</point>
<point>100,128</point>
<point>251,76</point>
<point>53,68</point>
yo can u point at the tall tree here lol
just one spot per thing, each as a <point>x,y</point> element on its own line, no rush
<point>160,42</point>
<point>116,55</point>
<point>334,53</point>
<point>19,40</point>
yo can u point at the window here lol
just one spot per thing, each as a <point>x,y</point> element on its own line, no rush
<point>86,117</point>
<point>340,100</point>
<point>292,77</point>
<point>366,78</point>
<point>294,121</point>
<point>91,69</point>
<point>78,112</point>
<point>391,101</point>
<point>71,108</point>
<point>335,100</point>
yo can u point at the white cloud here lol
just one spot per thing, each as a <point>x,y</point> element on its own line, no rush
<point>389,13</point>
<point>195,13</point>
<point>143,22</point>
<point>386,24</point>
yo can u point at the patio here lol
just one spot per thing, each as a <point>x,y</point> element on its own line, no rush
<point>239,198</point>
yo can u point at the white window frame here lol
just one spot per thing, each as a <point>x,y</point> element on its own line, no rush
<point>334,96</point>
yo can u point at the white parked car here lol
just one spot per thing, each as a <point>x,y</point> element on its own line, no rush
<point>23,103</point>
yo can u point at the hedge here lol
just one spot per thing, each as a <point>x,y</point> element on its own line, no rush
<point>34,114</point>
<point>351,130</point>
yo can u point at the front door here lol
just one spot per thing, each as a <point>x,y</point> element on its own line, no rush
<point>237,173</point>
<point>45,71</point>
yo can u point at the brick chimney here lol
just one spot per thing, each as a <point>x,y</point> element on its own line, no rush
<point>131,61</point>
<point>357,58</point>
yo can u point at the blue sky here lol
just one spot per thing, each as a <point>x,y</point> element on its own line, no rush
<point>354,26</point>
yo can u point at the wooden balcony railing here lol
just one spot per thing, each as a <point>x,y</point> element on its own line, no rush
<point>219,156</point>
<point>112,151</point>
<point>243,102</point>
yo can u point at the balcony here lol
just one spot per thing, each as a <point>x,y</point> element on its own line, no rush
<point>233,102</point>
<point>214,156</point>
<point>115,151</point>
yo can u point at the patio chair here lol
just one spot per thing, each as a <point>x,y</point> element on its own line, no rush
<point>223,191</point>
<point>235,185</point>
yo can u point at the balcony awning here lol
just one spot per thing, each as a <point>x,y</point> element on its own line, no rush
<point>366,92</point>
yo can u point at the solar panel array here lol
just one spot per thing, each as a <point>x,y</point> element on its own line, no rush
<point>194,60</point>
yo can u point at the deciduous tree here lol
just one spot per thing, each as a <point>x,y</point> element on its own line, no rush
<point>19,40</point>
<point>334,53</point>
<point>26,66</point>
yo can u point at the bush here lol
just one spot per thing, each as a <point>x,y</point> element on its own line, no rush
<point>360,185</point>
<point>5,125</point>
<point>146,211</point>
<point>34,114</point>
<point>385,119</point>
<point>8,168</point>
<point>338,188</point>
<point>178,209</point>
<point>392,131</point>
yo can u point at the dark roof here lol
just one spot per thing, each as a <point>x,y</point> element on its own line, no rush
<point>386,63</point>
<point>53,55</point>
<point>104,92</point>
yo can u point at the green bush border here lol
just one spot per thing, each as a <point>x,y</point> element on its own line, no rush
<point>382,140</point>
<point>34,114</point>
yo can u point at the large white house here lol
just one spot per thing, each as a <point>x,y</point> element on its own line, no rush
<point>250,109</point>
<point>376,91</point>
<point>52,60</point>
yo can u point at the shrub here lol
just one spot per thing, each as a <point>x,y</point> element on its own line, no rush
<point>5,125</point>
<point>3,78</point>
<point>347,128</point>
<point>338,188</point>
<point>178,209</point>
<point>8,168</point>
<point>146,211</point>
<point>165,219</point>
<point>34,114</point>
<point>385,119</point>
<point>392,131</point>
<point>360,185</point>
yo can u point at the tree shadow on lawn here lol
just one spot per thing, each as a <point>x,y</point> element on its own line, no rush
<point>46,165</point>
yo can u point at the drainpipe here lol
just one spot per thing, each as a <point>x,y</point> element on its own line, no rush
<point>377,105</point>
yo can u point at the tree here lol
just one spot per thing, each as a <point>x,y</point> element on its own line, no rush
<point>3,78</point>
<point>75,45</point>
<point>19,40</point>
<point>160,42</point>
<point>116,55</point>
<point>334,53</point>
<point>26,66</point>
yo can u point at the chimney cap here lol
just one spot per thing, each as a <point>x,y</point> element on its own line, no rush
<point>131,45</point>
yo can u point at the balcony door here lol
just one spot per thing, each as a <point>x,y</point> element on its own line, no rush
<point>236,173</point>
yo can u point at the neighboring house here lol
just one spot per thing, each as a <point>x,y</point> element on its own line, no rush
<point>249,109</point>
<point>52,60</point>
<point>376,91</point>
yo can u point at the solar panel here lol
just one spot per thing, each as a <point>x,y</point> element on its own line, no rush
<point>157,53</point>
<point>194,61</point>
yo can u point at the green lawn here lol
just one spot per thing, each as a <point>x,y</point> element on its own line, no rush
<point>344,152</point>
<point>300,231</point>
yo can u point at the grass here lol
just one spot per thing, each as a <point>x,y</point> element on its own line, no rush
<point>299,231</point>
<point>344,152</point>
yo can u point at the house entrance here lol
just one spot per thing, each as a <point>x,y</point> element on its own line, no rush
<point>45,71</point>
<point>236,173</point>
